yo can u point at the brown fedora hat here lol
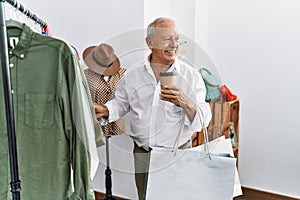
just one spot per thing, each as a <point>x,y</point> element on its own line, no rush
<point>101,59</point>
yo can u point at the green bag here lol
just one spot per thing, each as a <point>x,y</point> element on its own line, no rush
<point>212,85</point>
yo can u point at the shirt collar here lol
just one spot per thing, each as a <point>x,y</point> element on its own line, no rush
<point>23,45</point>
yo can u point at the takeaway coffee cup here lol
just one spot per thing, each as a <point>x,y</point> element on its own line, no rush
<point>167,79</point>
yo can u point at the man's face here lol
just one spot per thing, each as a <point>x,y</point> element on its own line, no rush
<point>164,43</point>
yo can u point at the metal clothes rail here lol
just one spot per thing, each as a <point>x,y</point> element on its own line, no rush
<point>27,12</point>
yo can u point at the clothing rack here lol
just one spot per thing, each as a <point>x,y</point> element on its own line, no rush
<point>15,184</point>
<point>27,12</point>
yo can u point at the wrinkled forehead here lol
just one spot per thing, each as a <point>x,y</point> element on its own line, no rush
<point>170,31</point>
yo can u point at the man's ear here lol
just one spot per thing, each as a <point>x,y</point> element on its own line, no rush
<point>149,42</point>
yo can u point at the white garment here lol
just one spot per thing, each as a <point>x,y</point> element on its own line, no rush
<point>135,94</point>
<point>88,121</point>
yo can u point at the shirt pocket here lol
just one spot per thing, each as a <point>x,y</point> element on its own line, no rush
<point>39,110</point>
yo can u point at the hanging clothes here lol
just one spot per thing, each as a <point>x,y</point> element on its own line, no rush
<point>102,91</point>
<point>52,140</point>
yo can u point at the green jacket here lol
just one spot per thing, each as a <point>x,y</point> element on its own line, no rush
<point>52,144</point>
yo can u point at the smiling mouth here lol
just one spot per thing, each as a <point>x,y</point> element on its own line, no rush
<point>170,51</point>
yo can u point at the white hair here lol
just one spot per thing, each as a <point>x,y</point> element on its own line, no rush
<point>151,27</point>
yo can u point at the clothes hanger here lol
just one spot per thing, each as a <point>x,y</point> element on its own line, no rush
<point>14,23</point>
<point>11,22</point>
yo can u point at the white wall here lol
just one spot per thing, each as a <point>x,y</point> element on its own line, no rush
<point>182,12</point>
<point>84,23</point>
<point>254,45</point>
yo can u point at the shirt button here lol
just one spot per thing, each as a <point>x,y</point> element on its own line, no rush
<point>11,65</point>
<point>10,52</point>
<point>22,55</point>
<point>12,91</point>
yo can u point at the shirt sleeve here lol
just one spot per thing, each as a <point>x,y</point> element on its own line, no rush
<point>77,129</point>
<point>203,111</point>
<point>87,100</point>
<point>119,106</point>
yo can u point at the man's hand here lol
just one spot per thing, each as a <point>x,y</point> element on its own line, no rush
<point>174,95</point>
<point>101,111</point>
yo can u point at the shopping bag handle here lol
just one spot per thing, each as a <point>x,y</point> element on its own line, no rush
<point>206,149</point>
<point>176,143</point>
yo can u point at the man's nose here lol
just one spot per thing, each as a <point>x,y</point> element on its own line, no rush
<point>173,42</point>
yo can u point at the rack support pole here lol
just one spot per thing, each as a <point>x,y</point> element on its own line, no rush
<point>15,184</point>
<point>108,181</point>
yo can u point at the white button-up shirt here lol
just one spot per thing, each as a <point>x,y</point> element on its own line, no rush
<point>138,94</point>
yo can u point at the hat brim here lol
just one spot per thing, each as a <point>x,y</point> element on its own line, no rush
<point>92,65</point>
